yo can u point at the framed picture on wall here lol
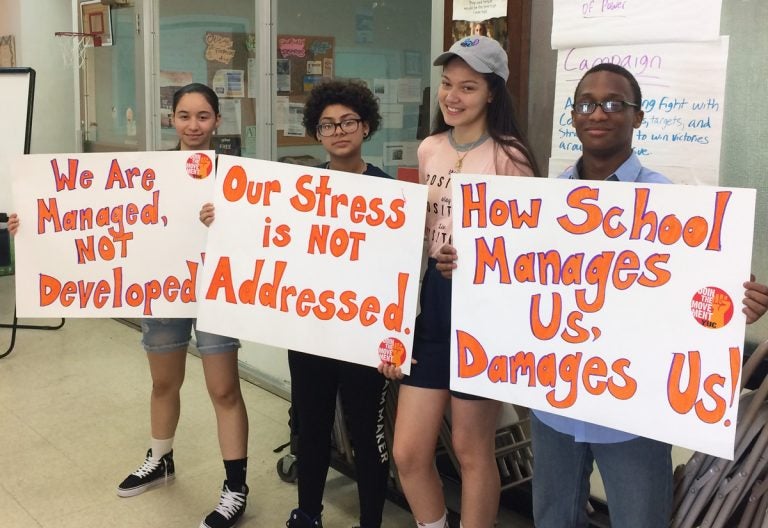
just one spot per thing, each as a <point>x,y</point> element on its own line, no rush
<point>96,18</point>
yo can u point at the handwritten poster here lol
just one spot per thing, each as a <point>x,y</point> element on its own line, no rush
<point>110,235</point>
<point>683,88</point>
<point>320,261</point>
<point>479,10</point>
<point>618,304</point>
<point>582,23</point>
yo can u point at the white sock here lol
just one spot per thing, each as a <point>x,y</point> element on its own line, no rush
<point>161,447</point>
<point>442,522</point>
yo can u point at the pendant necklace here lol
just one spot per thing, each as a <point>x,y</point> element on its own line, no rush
<point>462,149</point>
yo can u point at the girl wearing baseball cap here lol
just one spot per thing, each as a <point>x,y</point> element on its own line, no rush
<point>474,132</point>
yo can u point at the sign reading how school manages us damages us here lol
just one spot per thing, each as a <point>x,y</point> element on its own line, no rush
<point>314,260</point>
<point>110,235</point>
<point>614,303</point>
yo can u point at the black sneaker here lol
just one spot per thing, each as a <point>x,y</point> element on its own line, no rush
<point>299,519</point>
<point>230,509</point>
<point>151,473</point>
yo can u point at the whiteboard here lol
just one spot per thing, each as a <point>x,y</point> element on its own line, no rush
<point>18,88</point>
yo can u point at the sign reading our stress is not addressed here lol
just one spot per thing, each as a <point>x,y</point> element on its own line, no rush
<point>314,260</point>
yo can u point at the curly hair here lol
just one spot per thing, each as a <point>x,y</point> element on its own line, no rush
<point>352,94</point>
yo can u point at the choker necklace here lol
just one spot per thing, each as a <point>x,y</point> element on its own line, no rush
<point>466,148</point>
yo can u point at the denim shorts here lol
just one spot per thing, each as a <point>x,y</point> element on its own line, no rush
<point>432,336</point>
<point>165,335</point>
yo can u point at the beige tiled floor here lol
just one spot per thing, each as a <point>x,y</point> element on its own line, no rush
<point>74,422</point>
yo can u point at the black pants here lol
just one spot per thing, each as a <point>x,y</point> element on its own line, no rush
<point>314,383</point>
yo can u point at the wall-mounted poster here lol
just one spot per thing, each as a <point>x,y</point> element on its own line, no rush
<point>487,18</point>
<point>219,47</point>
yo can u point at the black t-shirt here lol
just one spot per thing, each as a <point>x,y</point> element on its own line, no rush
<point>370,170</point>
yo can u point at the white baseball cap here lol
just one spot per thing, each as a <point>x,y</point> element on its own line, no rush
<point>483,54</point>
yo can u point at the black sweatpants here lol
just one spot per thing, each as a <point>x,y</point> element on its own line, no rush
<point>314,383</point>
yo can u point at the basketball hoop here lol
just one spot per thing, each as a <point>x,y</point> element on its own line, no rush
<point>73,46</point>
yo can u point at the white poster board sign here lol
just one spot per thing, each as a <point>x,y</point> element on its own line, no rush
<point>479,10</point>
<point>17,87</point>
<point>578,23</point>
<point>683,87</point>
<point>110,235</point>
<point>314,260</point>
<point>617,304</point>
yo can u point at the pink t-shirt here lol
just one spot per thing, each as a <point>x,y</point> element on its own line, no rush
<point>437,162</point>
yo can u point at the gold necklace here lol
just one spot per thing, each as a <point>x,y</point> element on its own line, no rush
<point>469,148</point>
<point>460,161</point>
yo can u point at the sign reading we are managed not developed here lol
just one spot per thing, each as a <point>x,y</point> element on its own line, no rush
<point>107,235</point>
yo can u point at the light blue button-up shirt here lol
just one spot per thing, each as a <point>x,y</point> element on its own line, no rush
<point>629,171</point>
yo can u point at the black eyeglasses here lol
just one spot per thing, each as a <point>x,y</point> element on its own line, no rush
<point>609,107</point>
<point>347,126</point>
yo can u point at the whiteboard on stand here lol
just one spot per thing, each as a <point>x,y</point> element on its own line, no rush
<point>17,86</point>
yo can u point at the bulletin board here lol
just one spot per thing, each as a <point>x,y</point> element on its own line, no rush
<point>230,60</point>
<point>302,62</point>
<point>18,87</point>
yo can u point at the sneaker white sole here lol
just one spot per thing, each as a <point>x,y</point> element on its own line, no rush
<point>204,525</point>
<point>138,490</point>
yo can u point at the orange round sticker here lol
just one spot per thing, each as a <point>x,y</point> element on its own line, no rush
<point>199,166</point>
<point>712,307</point>
<point>392,351</point>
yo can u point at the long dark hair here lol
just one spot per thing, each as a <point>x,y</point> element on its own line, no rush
<point>501,123</point>
<point>203,90</point>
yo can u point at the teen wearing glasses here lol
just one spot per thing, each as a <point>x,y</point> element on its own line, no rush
<point>475,132</point>
<point>341,116</point>
<point>636,471</point>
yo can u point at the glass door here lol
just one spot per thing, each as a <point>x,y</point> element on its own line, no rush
<point>384,44</point>
<point>112,109</point>
<point>214,43</point>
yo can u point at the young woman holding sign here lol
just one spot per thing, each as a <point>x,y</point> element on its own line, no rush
<point>195,116</point>
<point>341,115</point>
<point>475,132</point>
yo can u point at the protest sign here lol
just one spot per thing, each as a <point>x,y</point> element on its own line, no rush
<point>110,235</point>
<point>617,304</point>
<point>314,260</point>
<point>578,23</point>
